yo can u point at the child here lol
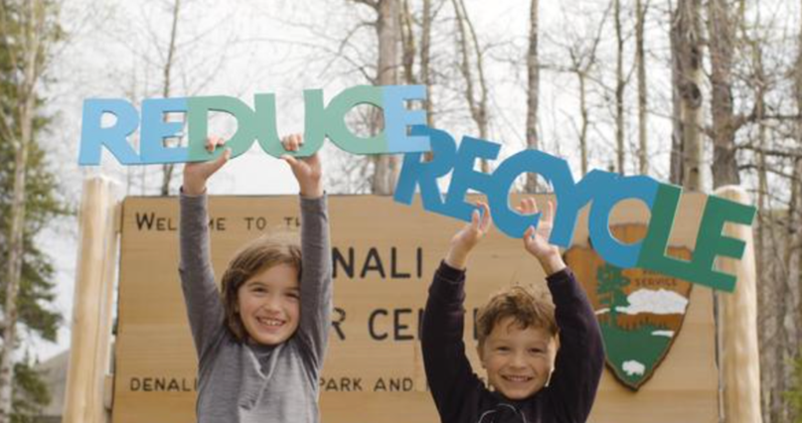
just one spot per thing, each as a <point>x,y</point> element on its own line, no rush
<point>519,339</point>
<point>261,341</point>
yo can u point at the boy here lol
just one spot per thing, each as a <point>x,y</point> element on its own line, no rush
<point>261,341</point>
<point>522,339</point>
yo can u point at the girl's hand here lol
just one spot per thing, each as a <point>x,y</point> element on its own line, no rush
<point>307,170</point>
<point>469,236</point>
<point>197,173</point>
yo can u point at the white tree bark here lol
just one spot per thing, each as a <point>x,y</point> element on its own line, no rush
<point>533,91</point>
<point>386,167</point>
<point>643,93</point>
<point>167,169</point>
<point>29,48</point>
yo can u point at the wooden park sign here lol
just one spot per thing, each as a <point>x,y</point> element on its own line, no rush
<point>384,256</point>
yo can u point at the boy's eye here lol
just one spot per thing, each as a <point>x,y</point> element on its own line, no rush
<point>503,349</point>
<point>536,350</point>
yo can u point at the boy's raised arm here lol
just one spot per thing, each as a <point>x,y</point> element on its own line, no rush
<point>316,273</point>
<point>580,359</point>
<point>448,370</point>
<point>204,309</point>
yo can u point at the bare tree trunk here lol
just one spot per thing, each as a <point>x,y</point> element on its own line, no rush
<point>386,167</point>
<point>781,338</point>
<point>167,169</point>
<point>408,50</point>
<point>425,59</point>
<point>721,35</point>
<point>583,110</point>
<point>478,108</point>
<point>643,95</point>
<point>761,255</point>
<point>795,234</point>
<point>676,165</point>
<point>425,72</point>
<point>798,175</point>
<point>620,86</point>
<point>582,62</point>
<point>687,145</point>
<point>532,92</point>
<point>30,47</point>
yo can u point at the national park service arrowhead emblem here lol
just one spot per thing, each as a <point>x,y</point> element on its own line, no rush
<point>640,311</point>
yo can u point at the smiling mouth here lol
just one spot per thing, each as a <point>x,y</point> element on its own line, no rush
<point>517,379</point>
<point>270,322</point>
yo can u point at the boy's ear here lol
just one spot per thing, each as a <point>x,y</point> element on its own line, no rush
<point>481,355</point>
<point>556,341</point>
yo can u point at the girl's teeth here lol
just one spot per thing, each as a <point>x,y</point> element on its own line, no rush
<point>270,322</point>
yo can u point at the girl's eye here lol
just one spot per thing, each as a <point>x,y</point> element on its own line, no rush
<point>294,295</point>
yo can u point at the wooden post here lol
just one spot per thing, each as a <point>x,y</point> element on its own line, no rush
<point>739,359</point>
<point>92,306</point>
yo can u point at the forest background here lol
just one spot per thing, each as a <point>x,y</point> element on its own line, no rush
<point>701,93</point>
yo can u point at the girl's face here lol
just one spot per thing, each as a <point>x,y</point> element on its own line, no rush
<point>269,304</point>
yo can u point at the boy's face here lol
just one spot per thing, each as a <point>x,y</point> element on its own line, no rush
<point>518,361</point>
<point>269,304</point>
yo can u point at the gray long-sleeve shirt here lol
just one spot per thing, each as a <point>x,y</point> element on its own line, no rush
<point>240,382</point>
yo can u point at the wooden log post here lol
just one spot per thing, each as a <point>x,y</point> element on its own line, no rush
<point>90,350</point>
<point>737,317</point>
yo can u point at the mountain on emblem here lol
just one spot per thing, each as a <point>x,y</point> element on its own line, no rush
<point>640,312</point>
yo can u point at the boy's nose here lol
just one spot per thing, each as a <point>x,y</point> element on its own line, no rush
<point>518,360</point>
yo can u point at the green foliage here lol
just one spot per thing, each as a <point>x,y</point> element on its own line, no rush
<point>611,289</point>
<point>43,203</point>
<point>31,394</point>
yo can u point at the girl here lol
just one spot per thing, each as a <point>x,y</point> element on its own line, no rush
<point>261,340</point>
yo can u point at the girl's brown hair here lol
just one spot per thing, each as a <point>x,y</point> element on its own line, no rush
<point>255,257</point>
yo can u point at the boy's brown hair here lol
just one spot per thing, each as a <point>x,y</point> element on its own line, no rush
<point>255,257</point>
<point>527,307</point>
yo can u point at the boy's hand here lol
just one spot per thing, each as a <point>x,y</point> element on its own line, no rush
<point>197,173</point>
<point>536,241</point>
<point>307,170</point>
<point>463,241</point>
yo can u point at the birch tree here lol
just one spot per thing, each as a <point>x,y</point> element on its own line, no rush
<point>385,167</point>
<point>686,58</point>
<point>532,91</point>
<point>721,33</point>
<point>26,38</point>
<point>468,44</point>
<point>643,92</point>
<point>620,87</point>
<point>167,169</point>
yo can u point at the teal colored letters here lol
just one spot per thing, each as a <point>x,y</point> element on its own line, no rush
<point>257,124</point>
<point>157,129</point>
<point>601,190</point>
<point>94,137</point>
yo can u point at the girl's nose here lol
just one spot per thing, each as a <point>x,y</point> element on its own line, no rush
<point>272,302</point>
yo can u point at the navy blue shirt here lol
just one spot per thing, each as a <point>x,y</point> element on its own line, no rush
<point>459,394</point>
